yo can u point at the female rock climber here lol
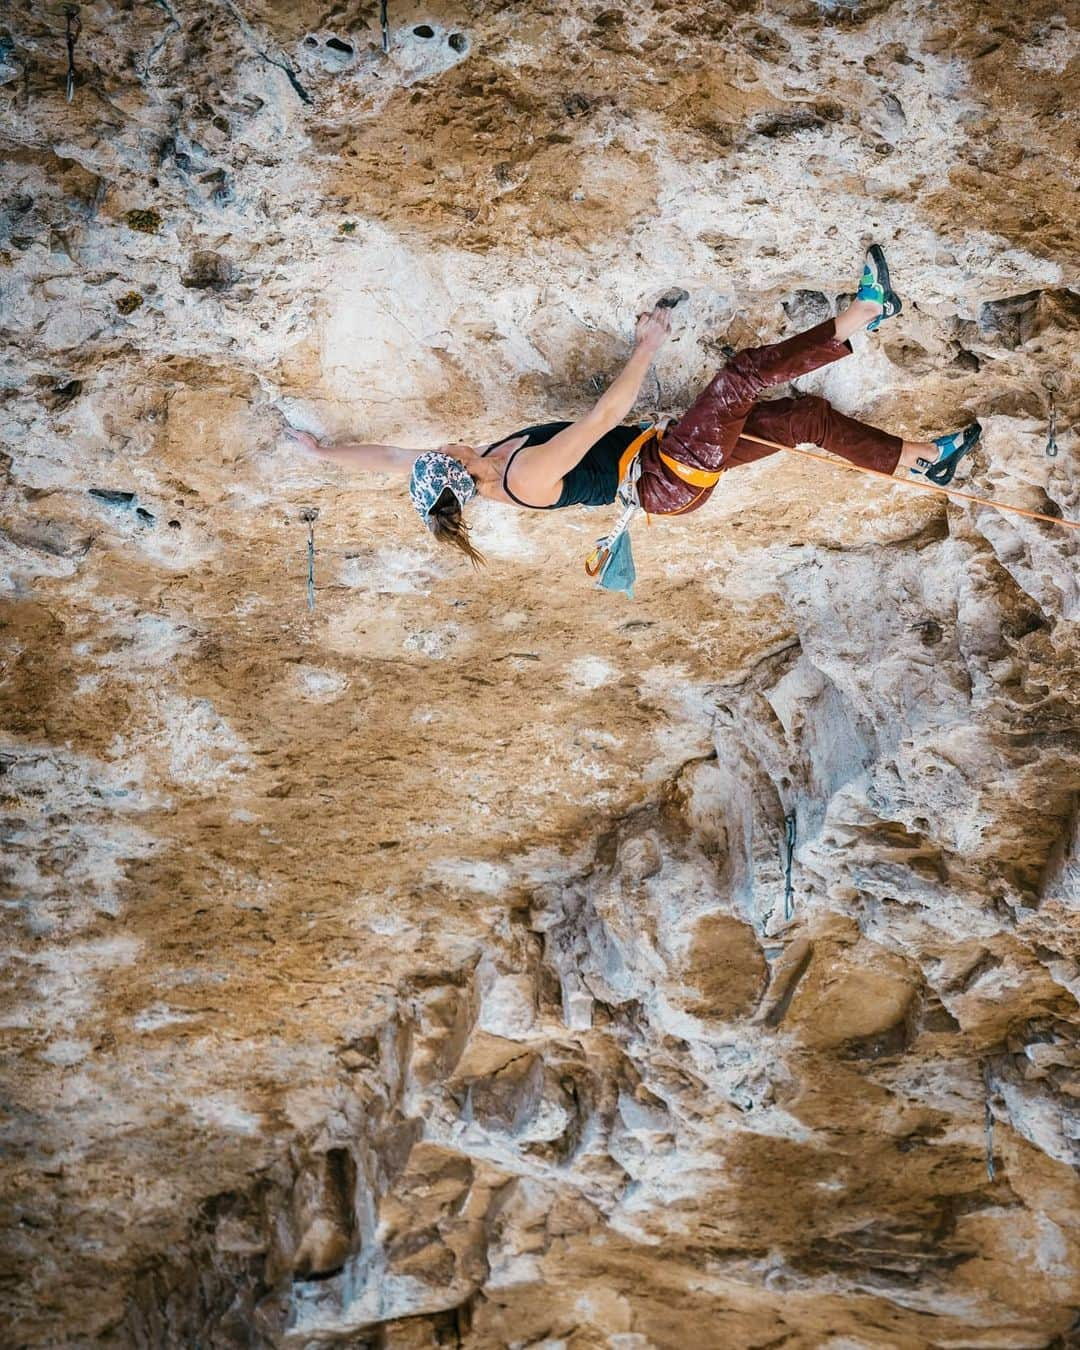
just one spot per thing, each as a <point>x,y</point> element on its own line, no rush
<point>557,464</point>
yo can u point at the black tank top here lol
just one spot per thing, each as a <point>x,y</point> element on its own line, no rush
<point>592,482</point>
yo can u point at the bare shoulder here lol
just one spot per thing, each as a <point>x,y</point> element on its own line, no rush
<point>538,472</point>
<point>502,476</point>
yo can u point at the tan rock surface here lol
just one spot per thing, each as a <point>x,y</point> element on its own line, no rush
<point>415,971</point>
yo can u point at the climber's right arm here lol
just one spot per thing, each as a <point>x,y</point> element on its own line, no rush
<point>356,454</point>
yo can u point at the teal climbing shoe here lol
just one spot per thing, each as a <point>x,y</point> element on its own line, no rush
<point>874,285</point>
<point>951,450</point>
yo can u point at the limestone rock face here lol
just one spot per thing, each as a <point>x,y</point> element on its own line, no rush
<point>478,959</point>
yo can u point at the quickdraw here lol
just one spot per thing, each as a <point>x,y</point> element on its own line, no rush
<point>627,493</point>
<point>789,848</point>
<point>73,29</point>
<point>703,479</point>
<point>1050,384</point>
<point>69,12</point>
<point>309,515</point>
<point>594,563</point>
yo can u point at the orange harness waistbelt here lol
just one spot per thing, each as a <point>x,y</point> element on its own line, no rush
<point>699,478</point>
<point>627,456</point>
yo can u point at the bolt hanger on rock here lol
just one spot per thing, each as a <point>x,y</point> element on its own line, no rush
<point>789,847</point>
<point>74,28</point>
<point>309,515</point>
<point>1052,385</point>
<point>70,13</point>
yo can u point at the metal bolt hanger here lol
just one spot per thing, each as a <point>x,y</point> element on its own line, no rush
<point>70,13</point>
<point>1052,385</point>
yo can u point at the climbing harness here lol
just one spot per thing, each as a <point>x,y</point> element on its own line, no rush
<point>611,560</point>
<point>703,479</point>
<point>789,845</point>
<point>699,478</point>
<point>309,515</point>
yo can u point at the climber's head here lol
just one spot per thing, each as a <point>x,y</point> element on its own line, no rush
<point>440,488</point>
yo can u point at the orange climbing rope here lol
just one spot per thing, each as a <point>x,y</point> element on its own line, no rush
<point>916,483</point>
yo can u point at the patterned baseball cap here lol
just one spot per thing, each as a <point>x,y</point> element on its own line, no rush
<point>432,473</point>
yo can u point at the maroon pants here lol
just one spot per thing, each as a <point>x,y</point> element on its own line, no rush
<point>709,436</point>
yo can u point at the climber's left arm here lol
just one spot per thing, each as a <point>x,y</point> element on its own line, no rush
<point>539,467</point>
